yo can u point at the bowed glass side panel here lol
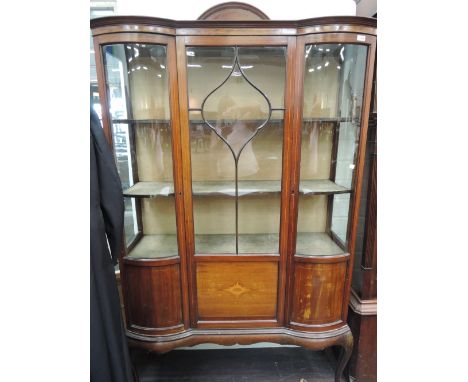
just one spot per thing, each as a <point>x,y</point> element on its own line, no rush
<point>236,104</point>
<point>333,93</point>
<point>138,97</point>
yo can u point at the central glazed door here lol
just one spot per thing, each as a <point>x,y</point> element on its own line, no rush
<point>236,128</point>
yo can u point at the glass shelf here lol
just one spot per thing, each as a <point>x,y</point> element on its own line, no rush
<point>246,187</point>
<point>143,121</point>
<point>150,189</point>
<point>154,247</point>
<point>316,244</point>
<point>161,246</point>
<point>200,121</point>
<point>325,119</point>
<point>307,244</point>
<point>249,243</point>
<point>321,187</point>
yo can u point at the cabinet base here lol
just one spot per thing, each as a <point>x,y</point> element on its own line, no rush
<point>314,341</point>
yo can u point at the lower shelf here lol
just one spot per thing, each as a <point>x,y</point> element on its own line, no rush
<point>316,244</point>
<point>227,188</point>
<point>307,244</point>
<point>248,243</point>
<point>154,247</point>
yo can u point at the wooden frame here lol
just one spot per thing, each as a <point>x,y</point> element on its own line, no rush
<point>288,325</point>
<point>233,10</point>
<point>350,38</point>
<point>182,43</point>
<point>99,41</point>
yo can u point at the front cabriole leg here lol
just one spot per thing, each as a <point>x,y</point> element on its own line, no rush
<point>345,353</point>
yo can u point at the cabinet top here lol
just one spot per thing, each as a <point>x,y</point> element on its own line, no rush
<point>144,24</point>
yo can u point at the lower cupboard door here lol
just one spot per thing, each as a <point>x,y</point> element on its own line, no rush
<point>237,290</point>
<point>153,298</point>
<point>318,293</point>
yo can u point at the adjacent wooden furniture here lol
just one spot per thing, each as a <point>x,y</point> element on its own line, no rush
<point>240,146</point>
<point>362,316</point>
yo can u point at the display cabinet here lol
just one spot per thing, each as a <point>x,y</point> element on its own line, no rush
<point>240,148</point>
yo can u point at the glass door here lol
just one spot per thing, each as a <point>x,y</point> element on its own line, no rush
<point>236,121</point>
<point>334,79</point>
<point>137,82</point>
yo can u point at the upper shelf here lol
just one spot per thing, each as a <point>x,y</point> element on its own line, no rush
<point>246,187</point>
<point>325,119</point>
<point>143,121</point>
<point>195,122</point>
<point>321,187</point>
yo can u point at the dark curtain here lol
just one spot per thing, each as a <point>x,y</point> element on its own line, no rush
<point>110,359</point>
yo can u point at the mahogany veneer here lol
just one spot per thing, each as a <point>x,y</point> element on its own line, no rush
<point>319,293</point>
<point>242,290</point>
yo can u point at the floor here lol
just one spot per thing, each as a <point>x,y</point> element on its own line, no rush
<point>235,365</point>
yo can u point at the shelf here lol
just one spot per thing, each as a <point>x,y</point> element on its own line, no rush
<point>150,189</point>
<point>316,244</point>
<point>307,244</point>
<point>161,246</point>
<point>234,121</point>
<point>246,187</point>
<point>326,119</point>
<point>155,247</point>
<point>143,121</point>
<point>320,187</point>
<point>201,122</point>
<point>248,243</point>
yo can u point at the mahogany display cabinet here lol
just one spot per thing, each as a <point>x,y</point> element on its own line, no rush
<point>240,147</point>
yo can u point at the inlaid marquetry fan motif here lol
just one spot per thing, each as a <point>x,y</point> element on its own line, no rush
<point>237,289</point>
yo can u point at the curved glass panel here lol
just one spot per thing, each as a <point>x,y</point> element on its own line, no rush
<point>138,93</point>
<point>236,148</point>
<point>333,93</point>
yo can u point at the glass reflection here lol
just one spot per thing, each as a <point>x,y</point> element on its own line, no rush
<point>261,65</point>
<point>217,61</point>
<point>333,94</point>
<point>153,143</point>
<point>236,111</point>
<point>123,160</point>
<point>236,143</point>
<point>137,81</point>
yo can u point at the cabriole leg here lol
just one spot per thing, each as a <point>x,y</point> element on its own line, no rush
<point>345,354</point>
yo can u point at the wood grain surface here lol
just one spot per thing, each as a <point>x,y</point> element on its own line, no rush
<point>318,293</point>
<point>237,290</point>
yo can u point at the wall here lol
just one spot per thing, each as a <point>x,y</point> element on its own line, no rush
<point>189,10</point>
<point>366,8</point>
